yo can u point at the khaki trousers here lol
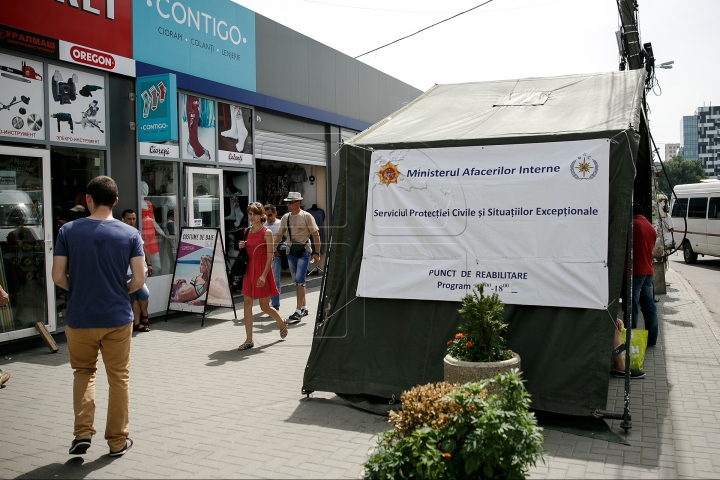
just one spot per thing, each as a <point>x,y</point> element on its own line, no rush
<point>114,344</point>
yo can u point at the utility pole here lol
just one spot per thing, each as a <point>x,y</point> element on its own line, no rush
<point>629,36</point>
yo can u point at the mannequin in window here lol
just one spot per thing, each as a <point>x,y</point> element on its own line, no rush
<point>319,216</point>
<point>236,212</point>
<point>296,176</point>
<point>150,228</point>
<point>237,128</point>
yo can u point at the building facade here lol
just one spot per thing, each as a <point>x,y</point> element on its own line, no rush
<point>195,109</point>
<point>689,137</point>
<point>708,121</point>
<point>671,149</point>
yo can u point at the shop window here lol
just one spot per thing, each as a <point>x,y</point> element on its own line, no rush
<point>235,203</point>
<point>71,170</point>
<point>158,209</point>
<point>22,270</point>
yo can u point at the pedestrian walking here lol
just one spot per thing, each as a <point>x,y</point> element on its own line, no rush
<point>91,258</point>
<point>141,298</point>
<point>273,224</point>
<point>257,283</point>
<point>644,236</point>
<point>299,226</point>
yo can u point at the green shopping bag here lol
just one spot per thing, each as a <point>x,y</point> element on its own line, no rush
<point>638,345</point>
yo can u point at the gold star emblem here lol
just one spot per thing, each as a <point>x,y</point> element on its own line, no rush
<point>584,167</point>
<point>388,174</point>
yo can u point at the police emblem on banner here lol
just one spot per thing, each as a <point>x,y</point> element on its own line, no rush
<point>388,174</point>
<point>584,167</point>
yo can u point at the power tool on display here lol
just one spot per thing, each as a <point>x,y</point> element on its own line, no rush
<point>64,92</point>
<point>87,115</point>
<point>64,117</point>
<point>87,90</point>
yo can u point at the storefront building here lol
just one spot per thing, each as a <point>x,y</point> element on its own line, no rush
<point>65,117</point>
<point>195,108</point>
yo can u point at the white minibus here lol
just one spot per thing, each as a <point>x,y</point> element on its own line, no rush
<point>699,204</point>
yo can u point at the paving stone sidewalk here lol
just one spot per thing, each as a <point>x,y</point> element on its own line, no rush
<point>201,409</point>
<point>675,409</point>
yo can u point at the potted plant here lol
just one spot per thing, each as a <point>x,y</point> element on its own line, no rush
<point>460,432</point>
<point>479,351</point>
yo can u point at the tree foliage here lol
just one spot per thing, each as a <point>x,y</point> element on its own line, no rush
<point>679,172</point>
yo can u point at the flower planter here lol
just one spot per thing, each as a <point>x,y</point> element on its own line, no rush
<point>458,371</point>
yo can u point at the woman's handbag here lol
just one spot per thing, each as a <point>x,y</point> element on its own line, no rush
<point>240,265</point>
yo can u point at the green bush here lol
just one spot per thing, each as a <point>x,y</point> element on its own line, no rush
<point>486,436</point>
<point>481,334</point>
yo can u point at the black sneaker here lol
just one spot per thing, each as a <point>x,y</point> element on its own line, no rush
<point>79,447</point>
<point>633,374</point>
<point>304,312</point>
<point>119,453</point>
<point>294,318</point>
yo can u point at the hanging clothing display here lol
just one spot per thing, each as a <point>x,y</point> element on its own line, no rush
<point>296,176</point>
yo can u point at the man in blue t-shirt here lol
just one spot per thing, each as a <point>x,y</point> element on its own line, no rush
<point>91,258</point>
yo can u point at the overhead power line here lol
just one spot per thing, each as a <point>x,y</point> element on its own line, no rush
<point>426,28</point>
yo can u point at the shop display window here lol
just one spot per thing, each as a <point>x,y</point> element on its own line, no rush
<point>235,203</point>
<point>22,270</point>
<point>71,171</point>
<point>158,209</point>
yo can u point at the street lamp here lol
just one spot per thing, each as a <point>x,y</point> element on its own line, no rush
<point>666,65</point>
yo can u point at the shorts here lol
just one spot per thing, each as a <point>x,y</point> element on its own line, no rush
<point>142,294</point>
<point>299,267</point>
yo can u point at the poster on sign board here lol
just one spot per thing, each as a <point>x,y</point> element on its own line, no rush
<point>77,106</point>
<point>22,100</point>
<point>235,135</point>
<point>157,114</point>
<point>530,222</point>
<point>198,128</point>
<point>200,277</point>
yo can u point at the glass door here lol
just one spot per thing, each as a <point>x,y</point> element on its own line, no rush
<point>236,196</point>
<point>26,236</point>
<point>205,198</point>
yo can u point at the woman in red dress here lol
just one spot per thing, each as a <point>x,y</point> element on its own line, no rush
<point>259,247</point>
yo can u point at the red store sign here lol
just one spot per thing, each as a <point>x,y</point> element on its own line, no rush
<point>105,25</point>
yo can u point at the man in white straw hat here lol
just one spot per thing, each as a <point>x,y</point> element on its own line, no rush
<point>300,227</point>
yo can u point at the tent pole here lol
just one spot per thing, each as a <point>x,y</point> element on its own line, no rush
<point>626,420</point>
<point>626,423</point>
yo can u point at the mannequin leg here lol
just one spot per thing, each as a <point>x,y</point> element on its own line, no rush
<point>195,148</point>
<point>232,132</point>
<point>242,132</point>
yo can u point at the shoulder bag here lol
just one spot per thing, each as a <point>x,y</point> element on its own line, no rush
<point>240,265</point>
<point>296,249</point>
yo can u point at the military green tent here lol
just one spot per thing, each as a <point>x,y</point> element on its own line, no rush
<point>382,346</point>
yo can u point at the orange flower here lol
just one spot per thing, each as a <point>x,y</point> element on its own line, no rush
<point>468,344</point>
<point>509,351</point>
<point>446,455</point>
<point>449,342</point>
<point>459,335</point>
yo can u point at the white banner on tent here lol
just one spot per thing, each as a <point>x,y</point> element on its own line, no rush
<point>529,221</point>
